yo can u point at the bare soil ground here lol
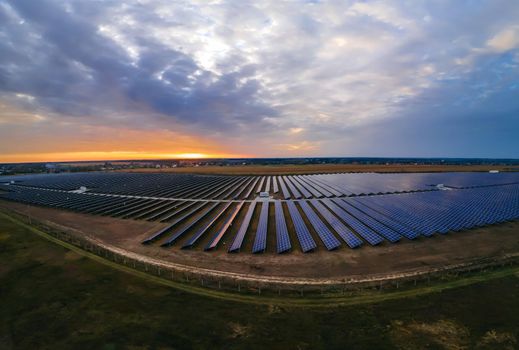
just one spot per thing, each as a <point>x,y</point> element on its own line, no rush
<point>318,168</point>
<point>345,263</point>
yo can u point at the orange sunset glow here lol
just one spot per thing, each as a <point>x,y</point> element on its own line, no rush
<point>106,156</point>
<point>170,80</point>
<point>26,138</point>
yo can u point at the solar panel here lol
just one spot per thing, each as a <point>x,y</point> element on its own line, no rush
<point>214,217</point>
<point>238,240</point>
<point>381,229</point>
<point>221,232</point>
<point>190,210</point>
<point>387,220</point>
<point>275,184</point>
<point>329,240</point>
<point>335,191</point>
<point>301,188</point>
<point>190,224</point>
<point>418,207</point>
<point>283,240</point>
<point>260,242</point>
<point>284,189</point>
<point>267,184</point>
<point>147,210</point>
<point>303,235</point>
<point>117,211</point>
<point>165,211</point>
<point>364,231</point>
<point>345,233</point>
<point>317,191</point>
<point>293,189</point>
<point>251,188</point>
<point>243,188</point>
<point>229,189</point>
<point>260,186</point>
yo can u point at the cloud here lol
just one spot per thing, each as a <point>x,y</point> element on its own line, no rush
<point>294,131</point>
<point>75,67</point>
<point>505,40</point>
<point>317,75</point>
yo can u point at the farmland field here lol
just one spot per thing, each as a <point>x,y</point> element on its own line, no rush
<point>53,298</point>
<point>317,168</point>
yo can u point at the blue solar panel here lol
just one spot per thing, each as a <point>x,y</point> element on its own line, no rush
<point>317,190</point>
<point>275,184</point>
<point>364,231</point>
<point>299,185</point>
<point>387,220</point>
<point>160,211</point>
<point>333,189</point>
<point>283,240</point>
<point>395,208</point>
<point>267,184</point>
<point>260,242</point>
<point>381,229</point>
<point>190,224</point>
<point>329,240</point>
<point>243,188</point>
<point>303,235</point>
<point>293,189</point>
<point>221,232</point>
<point>192,208</point>
<point>284,189</point>
<point>345,233</point>
<point>260,186</point>
<point>196,236</point>
<point>251,188</point>
<point>238,240</point>
<point>466,200</point>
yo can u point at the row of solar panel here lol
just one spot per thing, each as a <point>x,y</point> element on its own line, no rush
<point>191,187</point>
<point>372,219</point>
<point>165,185</point>
<point>180,186</point>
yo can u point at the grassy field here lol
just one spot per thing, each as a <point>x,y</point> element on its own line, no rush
<point>317,168</point>
<point>55,298</point>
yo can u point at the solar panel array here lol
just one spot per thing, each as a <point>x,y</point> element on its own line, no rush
<point>310,211</point>
<point>163,185</point>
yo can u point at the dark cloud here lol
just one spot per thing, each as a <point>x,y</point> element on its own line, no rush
<point>70,68</point>
<point>352,78</point>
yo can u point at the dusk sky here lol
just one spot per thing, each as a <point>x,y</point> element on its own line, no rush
<point>156,79</point>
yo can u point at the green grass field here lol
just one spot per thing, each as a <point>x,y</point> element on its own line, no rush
<point>55,298</point>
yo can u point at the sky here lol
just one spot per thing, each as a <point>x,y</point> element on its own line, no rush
<point>96,80</point>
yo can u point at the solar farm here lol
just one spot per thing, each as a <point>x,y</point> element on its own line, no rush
<point>280,214</point>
